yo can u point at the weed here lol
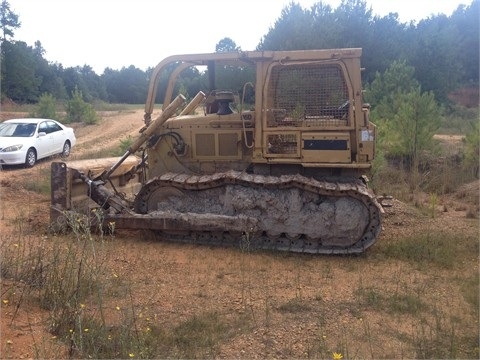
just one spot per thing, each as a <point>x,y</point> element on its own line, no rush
<point>327,271</point>
<point>245,269</point>
<point>395,303</point>
<point>470,290</point>
<point>405,304</point>
<point>370,297</point>
<point>433,203</point>
<point>295,305</point>
<point>39,184</point>
<point>437,337</point>
<point>198,336</point>
<point>125,144</point>
<point>438,249</point>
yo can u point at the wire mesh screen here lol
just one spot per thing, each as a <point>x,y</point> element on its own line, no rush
<point>282,144</point>
<point>308,95</point>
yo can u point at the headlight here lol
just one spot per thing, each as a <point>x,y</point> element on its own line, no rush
<point>12,148</point>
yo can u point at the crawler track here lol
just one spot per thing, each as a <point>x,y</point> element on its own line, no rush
<point>288,213</point>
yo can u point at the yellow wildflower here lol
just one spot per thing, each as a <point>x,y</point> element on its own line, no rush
<point>5,301</point>
<point>337,356</point>
<point>118,308</point>
<point>131,355</point>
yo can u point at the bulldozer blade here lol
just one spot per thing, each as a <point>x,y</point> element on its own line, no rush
<point>70,193</point>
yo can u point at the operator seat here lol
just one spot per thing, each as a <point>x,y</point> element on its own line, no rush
<point>218,102</point>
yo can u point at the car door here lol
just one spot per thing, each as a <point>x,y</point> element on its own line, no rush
<point>58,137</point>
<point>44,141</point>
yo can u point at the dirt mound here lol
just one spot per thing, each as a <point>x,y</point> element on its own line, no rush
<point>10,110</point>
<point>8,104</point>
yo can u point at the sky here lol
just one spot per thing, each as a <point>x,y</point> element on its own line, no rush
<point>120,33</point>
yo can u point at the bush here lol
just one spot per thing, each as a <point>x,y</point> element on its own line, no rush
<point>80,111</point>
<point>46,107</point>
<point>472,149</point>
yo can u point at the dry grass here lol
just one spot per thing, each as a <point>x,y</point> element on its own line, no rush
<point>285,302</point>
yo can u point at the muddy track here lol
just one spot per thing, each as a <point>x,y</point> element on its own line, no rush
<point>289,213</point>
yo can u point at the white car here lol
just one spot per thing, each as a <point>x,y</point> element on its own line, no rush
<point>24,141</point>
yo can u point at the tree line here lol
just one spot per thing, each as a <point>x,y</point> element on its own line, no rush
<point>443,51</point>
<point>410,71</point>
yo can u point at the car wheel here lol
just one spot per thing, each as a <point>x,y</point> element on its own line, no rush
<point>31,158</point>
<point>66,149</point>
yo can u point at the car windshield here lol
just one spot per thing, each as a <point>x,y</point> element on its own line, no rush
<point>17,129</point>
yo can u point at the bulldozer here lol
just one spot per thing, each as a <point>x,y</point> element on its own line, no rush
<point>273,152</point>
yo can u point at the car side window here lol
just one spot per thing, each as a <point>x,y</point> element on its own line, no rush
<point>43,127</point>
<point>24,130</point>
<point>31,129</point>
<point>52,127</point>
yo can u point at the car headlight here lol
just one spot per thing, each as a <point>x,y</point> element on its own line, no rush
<point>12,148</point>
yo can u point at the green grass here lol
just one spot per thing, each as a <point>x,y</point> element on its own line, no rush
<point>442,250</point>
<point>381,300</point>
<point>405,304</point>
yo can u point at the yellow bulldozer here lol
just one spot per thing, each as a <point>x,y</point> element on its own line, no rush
<point>274,153</point>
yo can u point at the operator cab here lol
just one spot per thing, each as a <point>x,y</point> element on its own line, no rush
<point>218,102</point>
